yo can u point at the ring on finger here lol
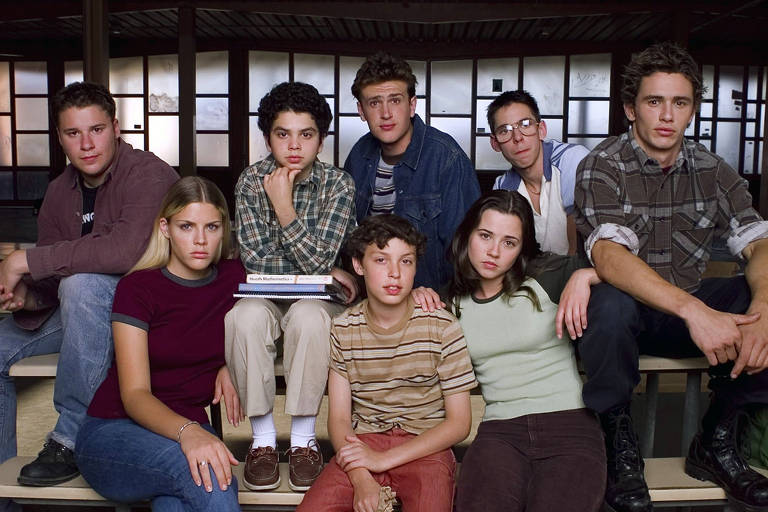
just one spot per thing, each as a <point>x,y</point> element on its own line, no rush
<point>203,463</point>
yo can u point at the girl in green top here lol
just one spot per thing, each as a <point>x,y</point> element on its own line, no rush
<point>537,448</point>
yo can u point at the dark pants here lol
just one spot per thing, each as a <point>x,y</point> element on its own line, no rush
<point>621,328</point>
<point>534,463</point>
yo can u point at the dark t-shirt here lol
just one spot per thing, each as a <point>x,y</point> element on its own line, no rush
<point>89,203</point>
<point>185,324</point>
<point>554,271</point>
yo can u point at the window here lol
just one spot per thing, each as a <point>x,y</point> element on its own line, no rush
<point>589,98</point>
<point>573,92</point>
<point>127,85</point>
<point>265,70</point>
<point>24,130</point>
<point>146,92</point>
<point>732,115</point>
<point>450,100</point>
<point>212,109</point>
<point>162,112</point>
<point>350,126</point>
<point>494,76</point>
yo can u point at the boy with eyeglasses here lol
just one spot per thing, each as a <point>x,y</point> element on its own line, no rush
<point>543,171</point>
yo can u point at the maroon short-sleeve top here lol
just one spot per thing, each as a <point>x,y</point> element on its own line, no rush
<point>184,320</point>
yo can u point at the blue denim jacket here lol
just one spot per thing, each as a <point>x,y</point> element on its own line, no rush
<point>435,184</point>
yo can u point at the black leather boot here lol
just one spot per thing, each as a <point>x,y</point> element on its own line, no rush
<point>714,456</point>
<point>626,490</point>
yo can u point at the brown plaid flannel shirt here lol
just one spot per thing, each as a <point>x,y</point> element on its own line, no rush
<point>668,219</point>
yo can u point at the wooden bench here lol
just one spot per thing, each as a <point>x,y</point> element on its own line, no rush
<point>36,366</point>
<point>45,366</point>
<point>669,487</point>
<point>669,484</point>
<point>7,248</point>
<point>653,368</point>
<point>77,492</point>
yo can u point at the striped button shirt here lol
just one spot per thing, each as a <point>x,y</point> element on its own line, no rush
<point>667,218</point>
<point>399,376</point>
<point>324,203</point>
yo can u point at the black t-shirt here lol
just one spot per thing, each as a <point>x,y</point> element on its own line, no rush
<point>89,200</point>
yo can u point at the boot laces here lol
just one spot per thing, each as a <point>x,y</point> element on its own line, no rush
<point>54,451</point>
<point>725,445</point>
<point>627,453</point>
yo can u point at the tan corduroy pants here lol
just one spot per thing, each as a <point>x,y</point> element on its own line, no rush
<point>251,329</point>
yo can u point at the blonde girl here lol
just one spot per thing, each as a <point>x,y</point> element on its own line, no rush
<point>147,435</point>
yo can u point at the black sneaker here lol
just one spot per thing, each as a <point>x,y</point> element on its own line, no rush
<point>54,464</point>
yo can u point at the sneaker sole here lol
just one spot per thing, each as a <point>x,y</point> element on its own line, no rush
<point>265,487</point>
<point>705,475</point>
<point>45,482</point>
<point>299,488</point>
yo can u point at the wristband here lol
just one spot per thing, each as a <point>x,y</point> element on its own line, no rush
<point>181,429</point>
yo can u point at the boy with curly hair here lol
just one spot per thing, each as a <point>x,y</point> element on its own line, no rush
<point>398,385</point>
<point>292,215</point>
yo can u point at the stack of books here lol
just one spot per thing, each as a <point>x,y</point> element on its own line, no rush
<point>290,287</point>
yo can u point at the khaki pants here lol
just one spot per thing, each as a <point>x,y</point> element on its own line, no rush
<point>251,329</point>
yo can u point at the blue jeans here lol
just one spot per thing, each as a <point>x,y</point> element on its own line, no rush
<point>81,331</point>
<point>125,462</point>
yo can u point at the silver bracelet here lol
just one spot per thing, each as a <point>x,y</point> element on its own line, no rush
<point>181,429</point>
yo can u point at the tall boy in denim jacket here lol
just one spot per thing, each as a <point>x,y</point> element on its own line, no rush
<point>407,168</point>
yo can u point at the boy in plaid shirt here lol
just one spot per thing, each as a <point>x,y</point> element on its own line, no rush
<point>649,204</point>
<point>292,215</point>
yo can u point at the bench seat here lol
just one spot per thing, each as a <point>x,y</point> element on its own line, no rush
<point>45,366</point>
<point>652,367</point>
<point>78,492</point>
<point>36,366</point>
<point>668,484</point>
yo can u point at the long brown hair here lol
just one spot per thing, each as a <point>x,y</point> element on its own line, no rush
<point>465,280</point>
